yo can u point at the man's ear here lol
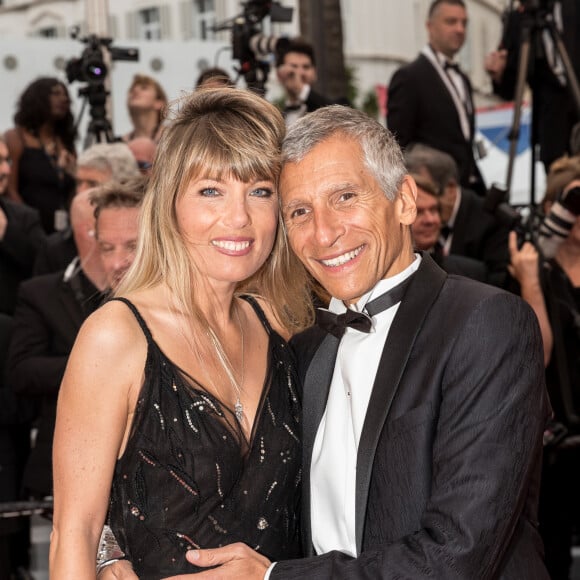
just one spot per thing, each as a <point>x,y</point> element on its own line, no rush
<point>408,201</point>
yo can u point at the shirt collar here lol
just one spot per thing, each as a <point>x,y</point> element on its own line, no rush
<point>380,287</point>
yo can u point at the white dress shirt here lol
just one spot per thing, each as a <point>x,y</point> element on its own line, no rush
<point>455,87</point>
<point>334,456</point>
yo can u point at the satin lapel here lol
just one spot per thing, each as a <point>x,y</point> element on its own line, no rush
<point>316,387</point>
<point>407,323</point>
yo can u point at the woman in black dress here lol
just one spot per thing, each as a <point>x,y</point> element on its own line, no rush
<point>42,150</point>
<point>179,412</point>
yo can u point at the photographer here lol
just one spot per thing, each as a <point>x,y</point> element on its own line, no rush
<point>552,288</point>
<point>553,104</point>
<point>296,70</point>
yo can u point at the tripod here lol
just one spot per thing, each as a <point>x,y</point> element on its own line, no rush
<point>536,20</point>
<point>99,129</point>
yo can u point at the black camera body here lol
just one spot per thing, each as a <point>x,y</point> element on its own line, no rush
<point>90,67</point>
<point>250,46</point>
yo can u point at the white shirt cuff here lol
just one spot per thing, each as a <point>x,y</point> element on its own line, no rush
<point>269,571</point>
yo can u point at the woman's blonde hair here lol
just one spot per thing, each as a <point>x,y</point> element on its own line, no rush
<point>224,132</point>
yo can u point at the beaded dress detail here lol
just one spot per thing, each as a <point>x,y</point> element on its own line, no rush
<point>189,477</point>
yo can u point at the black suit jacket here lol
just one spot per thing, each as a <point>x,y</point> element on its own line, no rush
<point>48,316</point>
<point>421,110</point>
<point>479,235</point>
<point>449,456</point>
<point>57,252</point>
<point>18,248</point>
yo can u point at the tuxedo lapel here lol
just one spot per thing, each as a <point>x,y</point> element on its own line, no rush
<point>408,321</point>
<point>316,388</point>
<point>447,93</point>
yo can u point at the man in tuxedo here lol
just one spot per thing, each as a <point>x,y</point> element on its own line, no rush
<point>555,112</point>
<point>426,233</point>
<point>296,71</point>
<point>51,309</point>
<point>430,99</point>
<point>424,397</point>
<point>468,228</point>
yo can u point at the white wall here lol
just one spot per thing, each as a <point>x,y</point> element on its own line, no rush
<point>181,62</point>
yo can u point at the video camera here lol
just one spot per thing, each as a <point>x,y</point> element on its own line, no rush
<point>91,68</point>
<point>250,46</point>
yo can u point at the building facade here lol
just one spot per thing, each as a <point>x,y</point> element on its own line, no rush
<point>178,38</point>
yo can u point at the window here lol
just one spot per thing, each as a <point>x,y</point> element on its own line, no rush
<point>47,32</point>
<point>204,19</point>
<point>149,24</point>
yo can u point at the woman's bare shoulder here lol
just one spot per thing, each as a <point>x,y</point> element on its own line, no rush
<point>112,328</point>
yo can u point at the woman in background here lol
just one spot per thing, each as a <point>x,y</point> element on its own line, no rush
<point>42,150</point>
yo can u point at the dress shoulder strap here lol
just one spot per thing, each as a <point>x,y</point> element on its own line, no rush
<point>259,312</point>
<point>138,316</point>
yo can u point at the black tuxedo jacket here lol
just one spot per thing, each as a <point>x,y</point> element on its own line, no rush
<point>57,252</point>
<point>421,110</point>
<point>48,316</point>
<point>449,456</point>
<point>22,239</point>
<point>479,235</point>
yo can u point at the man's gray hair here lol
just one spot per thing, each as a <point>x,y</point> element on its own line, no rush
<point>114,157</point>
<point>382,155</point>
<point>440,166</point>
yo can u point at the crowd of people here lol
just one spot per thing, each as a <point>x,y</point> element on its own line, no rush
<point>249,341</point>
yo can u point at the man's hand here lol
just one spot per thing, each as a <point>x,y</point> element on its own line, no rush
<point>291,79</point>
<point>523,262</point>
<point>495,63</point>
<point>120,570</point>
<point>236,561</point>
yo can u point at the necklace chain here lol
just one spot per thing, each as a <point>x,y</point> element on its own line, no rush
<point>238,386</point>
<point>238,407</point>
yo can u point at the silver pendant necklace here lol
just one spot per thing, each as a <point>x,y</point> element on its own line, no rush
<point>238,407</point>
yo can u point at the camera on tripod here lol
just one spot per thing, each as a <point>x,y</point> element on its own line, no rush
<point>250,46</point>
<point>90,68</point>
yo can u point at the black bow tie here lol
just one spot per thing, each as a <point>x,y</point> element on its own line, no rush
<point>336,323</point>
<point>446,231</point>
<point>451,65</point>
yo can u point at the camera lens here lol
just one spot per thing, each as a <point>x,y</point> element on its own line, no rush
<point>95,71</point>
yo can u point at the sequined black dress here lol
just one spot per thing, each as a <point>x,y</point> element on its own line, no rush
<point>189,477</point>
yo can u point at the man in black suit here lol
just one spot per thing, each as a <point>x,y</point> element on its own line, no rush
<point>296,71</point>
<point>423,422</point>
<point>426,233</point>
<point>469,229</point>
<point>431,101</point>
<point>51,309</point>
<point>21,236</point>
<point>554,108</point>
